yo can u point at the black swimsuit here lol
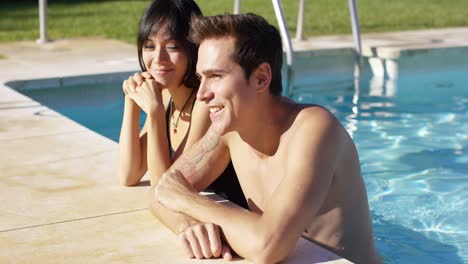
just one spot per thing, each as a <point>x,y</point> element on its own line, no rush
<point>227,185</point>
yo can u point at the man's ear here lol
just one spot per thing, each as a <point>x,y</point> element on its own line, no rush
<point>262,77</point>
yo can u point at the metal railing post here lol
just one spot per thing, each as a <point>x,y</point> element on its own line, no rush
<point>237,6</point>
<point>283,28</point>
<point>42,22</point>
<point>356,35</point>
<point>300,21</point>
<point>284,31</point>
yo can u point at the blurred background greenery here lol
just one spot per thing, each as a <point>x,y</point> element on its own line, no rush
<point>118,19</point>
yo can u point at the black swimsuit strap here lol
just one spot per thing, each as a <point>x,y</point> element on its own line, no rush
<point>168,116</point>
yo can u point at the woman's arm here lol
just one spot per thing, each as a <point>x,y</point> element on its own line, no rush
<point>132,144</point>
<point>155,148</point>
<point>200,122</point>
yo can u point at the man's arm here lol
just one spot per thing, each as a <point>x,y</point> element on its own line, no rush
<point>268,237</point>
<point>200,167</point>
<point>201,164</point>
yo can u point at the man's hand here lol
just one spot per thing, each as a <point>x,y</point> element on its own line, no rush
<point>173,189</point>
<point>204,241</point>
<point>201,240</point>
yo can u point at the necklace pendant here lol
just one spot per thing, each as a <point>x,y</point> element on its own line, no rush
<point>175,130</point>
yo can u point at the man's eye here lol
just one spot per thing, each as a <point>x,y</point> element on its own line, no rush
<point>148,46</point>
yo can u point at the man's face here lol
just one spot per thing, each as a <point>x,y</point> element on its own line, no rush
<point>223,86</point>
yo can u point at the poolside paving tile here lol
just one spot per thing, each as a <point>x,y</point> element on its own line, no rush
<point>30,119</point>
<point>37,149</point>
<point>27,60</point>
<point>121,238</point>
<point>132,237</point>
<point>10,96</point>
<point>66,189</point>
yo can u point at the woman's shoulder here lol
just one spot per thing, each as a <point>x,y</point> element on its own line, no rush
<point>200,121</point>
<point>201,110</point>
<point>166,97</point>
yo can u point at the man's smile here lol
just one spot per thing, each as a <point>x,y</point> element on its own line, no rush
<point>216,109</point>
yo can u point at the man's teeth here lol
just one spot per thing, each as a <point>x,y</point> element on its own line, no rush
<point>215,109</point>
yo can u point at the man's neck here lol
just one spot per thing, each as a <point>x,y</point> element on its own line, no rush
<point>264,129</point>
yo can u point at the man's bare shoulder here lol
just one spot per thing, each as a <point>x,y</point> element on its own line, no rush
<point>314,119</point>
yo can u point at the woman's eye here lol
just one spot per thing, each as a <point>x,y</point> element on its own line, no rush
<point>172,47</point>
<point>149,46</point>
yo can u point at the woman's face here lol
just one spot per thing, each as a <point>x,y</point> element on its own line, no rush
<point>165,59</point>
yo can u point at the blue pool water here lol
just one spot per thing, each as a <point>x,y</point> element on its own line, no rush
<point>411,135</point>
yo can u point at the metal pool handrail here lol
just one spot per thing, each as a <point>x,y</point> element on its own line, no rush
<point>356,36</point>
<point>284,31</point>
<point>42,22</point>
<point>300,21</point>
<point>300,34</point>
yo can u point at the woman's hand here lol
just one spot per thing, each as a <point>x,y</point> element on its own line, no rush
<point>144,91</point>
<point>136,80</point>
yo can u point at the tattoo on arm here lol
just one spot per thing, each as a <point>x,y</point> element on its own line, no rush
<point>187,164</point>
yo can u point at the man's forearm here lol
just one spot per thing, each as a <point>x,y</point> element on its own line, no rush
<point>241,227</point>
<point>175,221</point>
<point>191,163</point>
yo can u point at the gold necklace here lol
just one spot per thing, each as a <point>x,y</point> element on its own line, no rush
<point>176,123</point>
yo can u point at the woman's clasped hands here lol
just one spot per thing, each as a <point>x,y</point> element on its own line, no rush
<point>144,91</point>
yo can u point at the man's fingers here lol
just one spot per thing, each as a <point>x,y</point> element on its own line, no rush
<point>215,239</point>
<point>194,245</point>
<point>186,245</point>
<point>226,253</point>
<point>203,240</point>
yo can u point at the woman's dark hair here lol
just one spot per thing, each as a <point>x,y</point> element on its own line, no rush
<point>177,15</point>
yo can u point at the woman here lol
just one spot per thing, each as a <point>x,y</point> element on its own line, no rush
<point>166,91</point>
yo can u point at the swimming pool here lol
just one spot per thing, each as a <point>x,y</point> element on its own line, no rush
<point>411,135</point>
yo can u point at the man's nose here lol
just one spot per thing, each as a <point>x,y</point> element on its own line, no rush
<point>204,92</point>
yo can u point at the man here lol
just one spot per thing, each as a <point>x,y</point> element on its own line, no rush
<point>297,165</point>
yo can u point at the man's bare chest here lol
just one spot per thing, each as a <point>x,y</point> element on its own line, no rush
<point>259,178</point>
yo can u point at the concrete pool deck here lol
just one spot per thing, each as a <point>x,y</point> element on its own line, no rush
<point>60,197</point>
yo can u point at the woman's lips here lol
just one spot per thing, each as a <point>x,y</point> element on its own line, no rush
<point>162,71</point>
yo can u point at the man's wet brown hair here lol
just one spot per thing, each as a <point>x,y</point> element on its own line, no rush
<point>256,42</point>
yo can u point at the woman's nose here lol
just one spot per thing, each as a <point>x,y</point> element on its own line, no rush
<point>160,55</point>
